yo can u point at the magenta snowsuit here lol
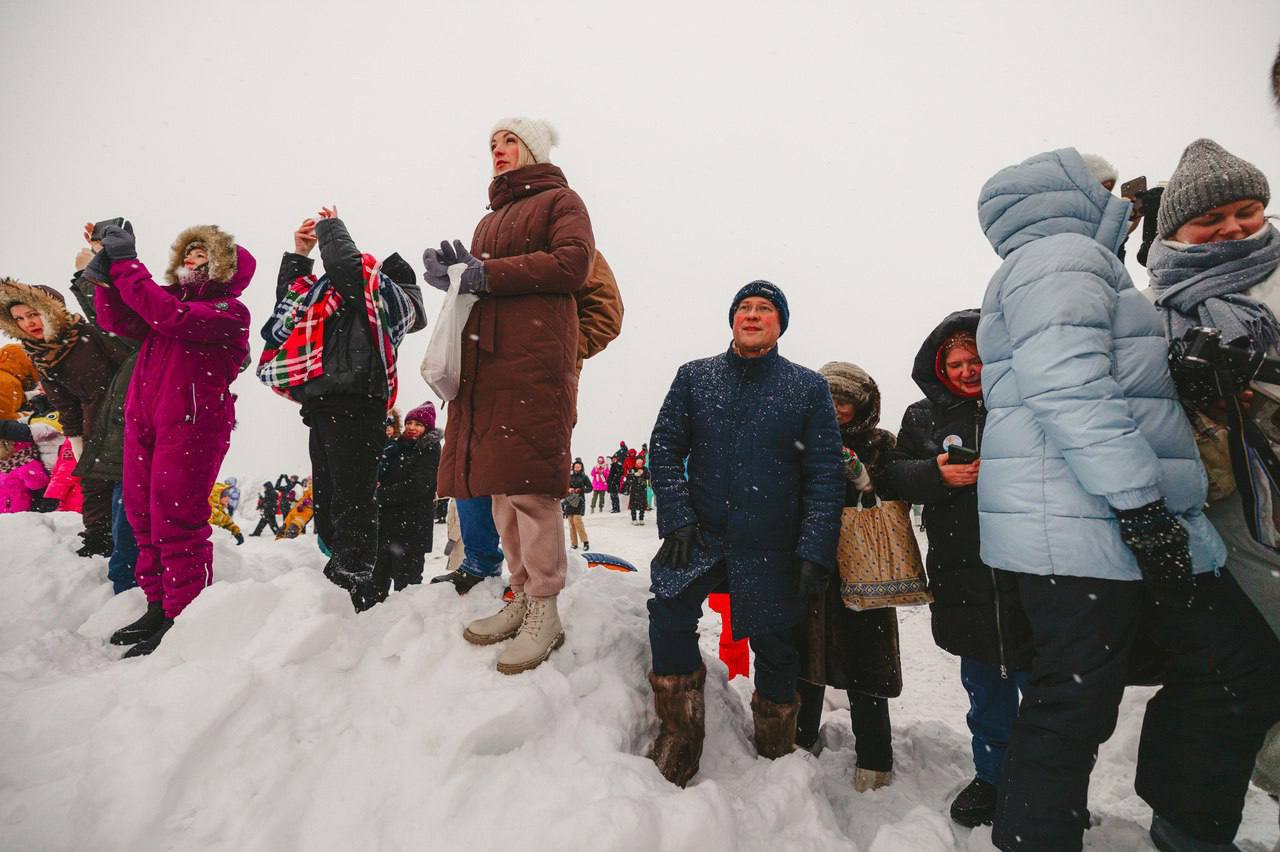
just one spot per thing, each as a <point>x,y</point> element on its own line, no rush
<point>20,485</point>
<point>178,415</point>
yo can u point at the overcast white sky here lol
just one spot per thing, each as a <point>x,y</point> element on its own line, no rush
<point>836,149</point>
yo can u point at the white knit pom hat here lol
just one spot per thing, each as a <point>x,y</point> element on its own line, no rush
<point>537,135</point>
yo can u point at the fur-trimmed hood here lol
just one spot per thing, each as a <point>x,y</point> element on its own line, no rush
<point>223,261</point>
<point>46,301</point>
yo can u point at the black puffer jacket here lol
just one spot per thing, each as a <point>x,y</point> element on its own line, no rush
<point>407,473</point>
<point>352,366</point>
<point>976,611</point>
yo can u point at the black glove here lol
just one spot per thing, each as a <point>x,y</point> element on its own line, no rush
<point>1159,543</point>
<point>239,539</point>
<point>812,578</point>
<point>678,546</point>
<point>98,269</point>
<point>119,244</point>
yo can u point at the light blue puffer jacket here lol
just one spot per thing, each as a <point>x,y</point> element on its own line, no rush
<point>1083,416</point>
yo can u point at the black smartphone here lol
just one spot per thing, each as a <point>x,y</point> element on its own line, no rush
<point>957,454</point>
<point>1133,188</point>
<point>99,227</point>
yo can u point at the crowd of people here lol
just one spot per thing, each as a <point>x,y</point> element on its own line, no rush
<point>1096,466</point>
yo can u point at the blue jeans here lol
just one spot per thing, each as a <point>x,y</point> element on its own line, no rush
<point>993,705</point>
<point>479,538</point>
<point>124,551</point>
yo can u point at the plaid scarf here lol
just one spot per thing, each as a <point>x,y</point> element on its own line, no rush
<point>47,354</point>
<point>295,332</point>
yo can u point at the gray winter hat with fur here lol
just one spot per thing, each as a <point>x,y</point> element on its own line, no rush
<point>1207,176</point>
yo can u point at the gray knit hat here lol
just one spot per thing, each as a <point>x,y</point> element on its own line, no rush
<point>1207,176</point>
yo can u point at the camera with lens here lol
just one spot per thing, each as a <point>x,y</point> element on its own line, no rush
<point>1206,369</point>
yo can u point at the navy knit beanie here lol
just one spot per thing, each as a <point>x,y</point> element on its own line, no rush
<point>765,290</point>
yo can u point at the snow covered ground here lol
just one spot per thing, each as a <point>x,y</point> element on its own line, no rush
<point>274,718</point>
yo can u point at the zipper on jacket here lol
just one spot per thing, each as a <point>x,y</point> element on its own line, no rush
<point>995,587</point>
<point>978,422</point>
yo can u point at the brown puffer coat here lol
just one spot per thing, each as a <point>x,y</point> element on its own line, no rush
<point>509,426</point>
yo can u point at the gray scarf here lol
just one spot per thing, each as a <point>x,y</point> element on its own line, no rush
<point>1204,285</point>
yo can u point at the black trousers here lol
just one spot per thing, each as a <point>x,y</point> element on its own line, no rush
<point>1201,731</point>
<point>616,504</point>
<point>97,509</point>
<point>347,436</point>
<point>267,521</point>
<point>405,537</point>
<point>673,639</point>
<point>868,714</point>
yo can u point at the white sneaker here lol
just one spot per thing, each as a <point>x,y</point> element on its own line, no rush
<point>539,634</point>
<point>505,624</point>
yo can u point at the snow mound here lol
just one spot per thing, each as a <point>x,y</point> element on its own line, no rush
<point>274,718</point>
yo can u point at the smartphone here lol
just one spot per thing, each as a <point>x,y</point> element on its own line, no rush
<point>1133,188</point>
<point>961,455</point>
<point>99,227</point>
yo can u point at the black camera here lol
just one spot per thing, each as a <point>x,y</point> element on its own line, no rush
<point>1206,369</point>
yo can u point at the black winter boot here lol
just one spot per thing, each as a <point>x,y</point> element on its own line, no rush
<point>151,621</point>
<point>1169,838</point>
<point>146,646</point>
<point>975,805</point>
<point>95,544</point>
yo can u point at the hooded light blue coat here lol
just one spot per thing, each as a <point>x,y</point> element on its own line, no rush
<point>1083,417</point>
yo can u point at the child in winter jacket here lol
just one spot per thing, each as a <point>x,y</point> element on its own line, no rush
<point>22,476</point>
<point>406,501</point>
<point>295,523</point>
<point>179,409</point>
<point>637,487</point>
<point>45,432</point>
<point>17,376</point>
<point>64,485</point>
<point>599,484</point>
<point>220,511</point>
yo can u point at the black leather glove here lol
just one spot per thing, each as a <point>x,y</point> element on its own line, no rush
<point>98,269</point>
<point>812,578</point>
<point>678,547</point>
<point>1159,543</point>
<point>119,244</point>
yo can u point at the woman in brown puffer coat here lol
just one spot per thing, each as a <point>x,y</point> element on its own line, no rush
<point>76,362</point>
<point>508,429</point>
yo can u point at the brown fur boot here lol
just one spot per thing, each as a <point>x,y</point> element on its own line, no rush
<point>775,726</point>
<point>681,716</point>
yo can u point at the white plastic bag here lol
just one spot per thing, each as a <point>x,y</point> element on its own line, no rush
<point>442,365</point>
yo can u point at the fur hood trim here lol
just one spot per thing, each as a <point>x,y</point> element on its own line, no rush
<point>44,300</point>
<point>220,245</point>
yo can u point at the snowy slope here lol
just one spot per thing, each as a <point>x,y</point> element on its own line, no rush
<point>274,718</point>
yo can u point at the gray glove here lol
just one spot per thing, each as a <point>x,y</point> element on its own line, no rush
<point>98,269</point>
<point>473,276</point>
<point>436,271</point>
<point>119,244</point>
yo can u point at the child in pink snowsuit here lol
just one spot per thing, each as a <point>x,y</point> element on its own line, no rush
<point>179,410</point>
<point>22,476</point>
<point>64,485</point>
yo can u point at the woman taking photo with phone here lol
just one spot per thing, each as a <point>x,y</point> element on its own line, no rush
<point>976,614</point>
<point>508,429</point>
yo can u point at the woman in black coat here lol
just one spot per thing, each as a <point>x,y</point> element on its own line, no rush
<point>976,612</point>
<point>575,509</point>
<point>406,501</point>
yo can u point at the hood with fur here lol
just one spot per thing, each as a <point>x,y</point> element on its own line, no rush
<point>46,301</point>
<point>220,245</point>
